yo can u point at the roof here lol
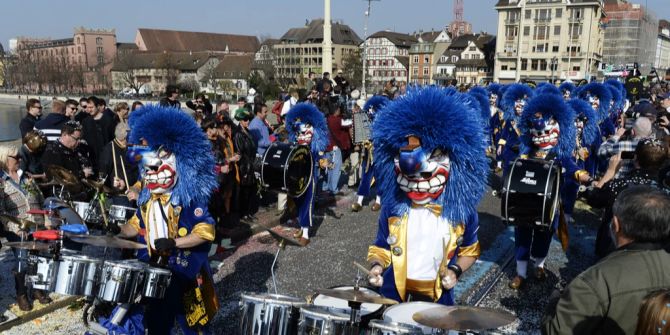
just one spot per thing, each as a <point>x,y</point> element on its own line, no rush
<point>404,60</point>
<point>173,40</point>
<point>515,2</point>
<point>313,33</point>
<point>2,50</point>
<point>449,53</point>
<point>270,42</point>
<point>126,46</point>
<point>472,62</point>
<point>480,40</point>
<point>231,65</point>
<point>429,36</point>
<point>183,61</point>
<point>398,39</point>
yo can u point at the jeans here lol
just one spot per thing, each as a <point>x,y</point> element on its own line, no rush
<point>334,173</point>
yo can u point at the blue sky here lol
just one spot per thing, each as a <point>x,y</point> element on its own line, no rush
<point>56,19</point>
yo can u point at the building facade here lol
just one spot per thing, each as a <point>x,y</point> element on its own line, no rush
<point>424,56</point>
<point>546,40</point>
<point>159,40</point>
<point>387,58</point>
<point>300,50</point>
<point>662,60</point>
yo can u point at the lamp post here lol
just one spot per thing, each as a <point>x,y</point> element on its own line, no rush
<point>554,63</point>
<point>365,48</point>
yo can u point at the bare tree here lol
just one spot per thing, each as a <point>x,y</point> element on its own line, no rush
<point>167,62</point>
<point>126,66</point>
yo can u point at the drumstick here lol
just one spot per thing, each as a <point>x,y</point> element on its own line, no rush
<point>125,176</point>
<point>362,268</point>
<point>116,173</point>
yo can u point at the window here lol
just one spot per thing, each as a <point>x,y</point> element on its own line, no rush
<point>524,64</point>
<point>534,64</point>
<point>575,31</point>
<point>511,32</point>
<point>526,31</point>
<point>577,13</point>
<point>475,56</point>
<point>426,59</point>
<point>541,32</point>
<point>472,48</point>
<point>576,68</point>
<point>454,59</point>
<point>99,50</point>
<point>557,30</point>
<point>416,59</point>
<point>100,59</point>
<point>415,71</point>
<point>554,48</point>
<point>559,13</point>
<point>443,59</point>
<point>384,51</point>
<point>98,40</point>
<point>528,13</point>
<point>503,67</point>
<point>425,71</point>
<point>543,64</point>
<point>426,47</point>
<point>466,56</point>
<point>543,15</point>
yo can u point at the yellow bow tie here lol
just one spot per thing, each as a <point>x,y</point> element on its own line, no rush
<point>436,209</point>
<point>164,198</point>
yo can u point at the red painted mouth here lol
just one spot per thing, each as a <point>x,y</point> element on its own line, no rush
<point>164,177</point>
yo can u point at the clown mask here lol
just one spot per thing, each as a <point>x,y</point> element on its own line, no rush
<point>580,121</point>
<point>305,133</point>
<point>544,133</point>
<point>493,99</point>
<point>518,106</point>
<point>159,168</point>
<point>595,102</point>
<point>566,95</point>
<point>421,174</point>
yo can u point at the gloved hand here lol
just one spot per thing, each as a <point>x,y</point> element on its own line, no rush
<point>165,244</point>
<point>449,280</point>
<point>375,277</point>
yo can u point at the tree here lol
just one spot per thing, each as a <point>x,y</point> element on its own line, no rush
<point>170,70</point>
<point>126,66</point>
<point>189,84</point>
<point>353,67</point>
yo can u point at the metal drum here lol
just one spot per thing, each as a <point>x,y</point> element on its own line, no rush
<point>530,193</point>
<point>87,212</point>
<point>368,311</point>
<point>121,214</point>
<point>381,327</point>
<point>269,314</point>
<point>156,282</point>
<point>77,275</point>
<point>317,320</point>
<point>120,281</point>
<point>402,313</point>
<point>287,168</point>
<point>42,273</point>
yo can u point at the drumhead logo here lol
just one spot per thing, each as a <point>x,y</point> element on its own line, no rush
<point>527,179</point>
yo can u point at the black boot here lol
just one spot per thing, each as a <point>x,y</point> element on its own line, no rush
<point>22,292</point>
<point>42,297</point>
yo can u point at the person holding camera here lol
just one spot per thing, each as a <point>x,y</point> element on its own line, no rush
<point>624,140</point>
<point>201,101</point>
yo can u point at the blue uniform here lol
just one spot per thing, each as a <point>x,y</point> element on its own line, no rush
<point>367,166</point>
<point>510,142</point>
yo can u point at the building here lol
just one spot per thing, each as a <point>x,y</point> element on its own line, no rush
<point>631,35</point>
<point>446,67</point>
<point>475,59</point>
<point>662,61</point>
<point>543,40</point>
<point>232,74</point>
<point>424,55</point>
<point>300,50</point>
<point>159,40</point>
<point>387,58</point>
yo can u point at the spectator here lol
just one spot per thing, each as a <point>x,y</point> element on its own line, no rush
<point>339,146</point>
<point>221,169</point>
<point>114,165</point>
<point>246,147</point>
<point>102,106</point>
<point>82,113</point>
<point>34,112</point>
<point>31,154</point>
<point>121,113</point>
<point>52,123</point>
<point>63,152</point>
<point>98,129</point>
<point>71,108</point>
<point>654,314</point>
<point>309,84</point>
<point>342,83</point>
<point>199,114</point>
<point>18,195</point>
<point>232,178</point>
<point>259,130</point>
<point>201,100</point>
<point>324,80</point>
<point>251,96</point>
<point>136,105</point>
<point>355,156</point>
<point>619,143</point>
<point>171,98</point>
<point>222,111</point>
<point>600,299</point>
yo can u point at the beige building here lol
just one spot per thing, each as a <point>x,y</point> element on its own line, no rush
<point>300,50</point>
<point>534,34</point>
<point>425,54</point>
<point>387,58</point>
<point>662,61</point>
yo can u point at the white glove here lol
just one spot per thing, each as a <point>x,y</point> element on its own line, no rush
<point>375,277</point>
<point>449,280</point>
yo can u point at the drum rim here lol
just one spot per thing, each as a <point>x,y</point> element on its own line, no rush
<point>415,303</point>
<point>367,290</point>
<point>311,168</point>
<point>383,323</point>
<point>293,147</point>
<point>153,269</point>
<point>271,298</point>
<point>82,258</point>
<point>122,264</point>
<point>329,313</point>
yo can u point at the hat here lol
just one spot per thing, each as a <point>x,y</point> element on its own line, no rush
<point>646,109</point>
<point>360,102</point>
<point>339,71</point>
<point>252,91</point>
<point>355,94</point>
<point>664,96</point>
<point>242,114</point>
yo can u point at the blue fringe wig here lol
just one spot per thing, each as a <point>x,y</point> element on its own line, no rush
<point>567,86</point>
<point>479,90</point>
<point>501,94</point>
<point>308,113</point>
<point>482,105</point>
<point>512,94</point>
<point>617,88</point>
<point>446,121</point>
<point>376,102</point>
<point>551,106</point>
<point>603,93</point>
<point>547,88</point>
<point>616,97</point>
<point>177,132</point>
<point>583,108</point>
<point>494,89</point>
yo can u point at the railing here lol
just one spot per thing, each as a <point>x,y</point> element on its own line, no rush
<point>512,21</point>
<point>542,19</point>
<point>575,19</point>
<point>510,38</point>
<point>506,54</point>
<point>573,54</point>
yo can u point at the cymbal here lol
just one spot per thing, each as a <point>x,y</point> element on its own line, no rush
<point>353,295</point>
<point>30,245</point>
<point>23,223</point>
<point>283,238</point>
<point>107,242</point>
<point>462,318</point>
<point>99,186</point>
<point>63,177</point>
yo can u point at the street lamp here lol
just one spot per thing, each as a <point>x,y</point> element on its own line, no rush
<point>554,63</point>
<point>365,48</point>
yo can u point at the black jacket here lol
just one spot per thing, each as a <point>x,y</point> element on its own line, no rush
<point>59,155</point>
<point>27,124</point>
<point>98,133</point>
<point>246,147</point>
<point>31,162</point>
<point>165,102</point>
<point>51,125</point>
<point>106,164</point>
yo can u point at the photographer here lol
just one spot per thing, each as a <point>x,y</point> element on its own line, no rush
<point>202,101</point>
<point>663,117</point>
<point>624,140</point>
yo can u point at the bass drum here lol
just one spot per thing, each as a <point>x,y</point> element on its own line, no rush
<point>287,168</point>
<point>530,193</point>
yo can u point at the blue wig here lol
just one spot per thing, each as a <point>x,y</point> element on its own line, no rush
<point>583,109</point>
<point>482,105</point>
<point>603,93</point>
<point>376,102</point>
<point>501,94</point>
<point>567,86</point>
<point>446,121</point>
<point>617,89</point>
<point>479,90</point>
<point>177,132</point>
<point>308,113</point>
<point>551,106</point>
<point>494,89</point>
<point>547,88</point>
<point>513,93</point>
<point>616,97</point>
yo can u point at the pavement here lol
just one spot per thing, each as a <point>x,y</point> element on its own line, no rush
<point>341,237</point>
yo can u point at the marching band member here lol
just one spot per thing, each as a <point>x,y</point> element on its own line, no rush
<point>515,98</point>
<point>430,162</point>
<point>567,88</point>
<point>599,97</point>
<point>371,107</point>
<point>307,126</point>
<point>497,120</point>
<point>177,172</point>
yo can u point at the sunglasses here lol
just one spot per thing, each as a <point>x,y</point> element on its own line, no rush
<point>38,107</point>
<point>17,157</point>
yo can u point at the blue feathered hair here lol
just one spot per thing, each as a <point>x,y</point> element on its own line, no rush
<point>479,90</point>
<point>551,106</point>
<point>177,132</point>
<point>308,113</point>
<point>603,93</point>
<point>567,86</point>
<point>494,89</point>
<point>376,102</point>
<point>616,97</point>
<point>482,105</point>
<point>512,94</point>
<point>547,88</point>
<point>617,93</point>
<point>591,130</point>
<point>446,121</point>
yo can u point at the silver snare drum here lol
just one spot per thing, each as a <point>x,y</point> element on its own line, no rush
<point>269,314</point>
<point>42,272</point>
<point>121,214</point>
<point>77,275</point>
<point>380,327</point>
<point>156,282</point>
<point>120,281</point>
<point>317,320</point>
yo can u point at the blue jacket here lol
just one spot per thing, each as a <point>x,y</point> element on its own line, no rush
<point>51,125</point>
<point>261,134</point>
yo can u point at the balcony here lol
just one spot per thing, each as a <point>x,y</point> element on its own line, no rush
<point>510,38</point>
<point>542,19</point>
<point>574,54</point>
<point>575,19</point>
<point>512,21</point>
<point>507,74</point>
<point>509,54</point>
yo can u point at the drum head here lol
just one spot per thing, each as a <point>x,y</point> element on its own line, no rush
<point>531,194</point>
<point>299,171</point>
<point>402,313</point>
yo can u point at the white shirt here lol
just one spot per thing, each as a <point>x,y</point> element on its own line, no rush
<point>157,225</point>
<point>427,234</point>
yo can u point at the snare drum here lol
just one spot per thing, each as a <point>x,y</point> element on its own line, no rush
<point>77,275</point>
<point>120,281</point>
<point>156,282</point>
<point>269,314</point>
<point>380,327</point>
<point>121,214</point>
<point>402,313</point>
<point>317,320</point>
<point>368,311</point>
<point>86,212</point>
<point>42,272</point>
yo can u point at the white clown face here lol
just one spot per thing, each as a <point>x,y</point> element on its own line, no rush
<point>159,170</point>
<point>493,99</point>
<point>544,133</point>
<point>580,121</point>
<point>305,133</point>
<point>595,102</point>
<point>566,95</point>
<point>518,106</point>
<point>422,175</point>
